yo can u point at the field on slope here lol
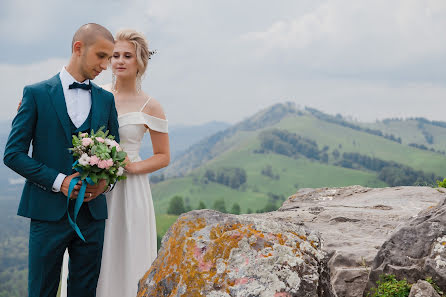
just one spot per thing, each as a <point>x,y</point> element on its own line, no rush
<point>411,131</point>
<point>238,151</point>
<point>349,140</point>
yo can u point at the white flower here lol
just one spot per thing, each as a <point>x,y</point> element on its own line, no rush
<point>112,143</point>
<point>109,142</point>
<point>120,171</point>
<point>84,160</point>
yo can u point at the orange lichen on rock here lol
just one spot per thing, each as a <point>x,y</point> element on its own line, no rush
<point>198,256</point>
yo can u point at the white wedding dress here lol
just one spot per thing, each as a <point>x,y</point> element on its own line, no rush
<point>130,230</point>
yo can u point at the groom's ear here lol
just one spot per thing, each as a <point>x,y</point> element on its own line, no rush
<point>77,47</point>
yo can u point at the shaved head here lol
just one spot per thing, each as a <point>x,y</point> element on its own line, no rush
<point>89,33</point>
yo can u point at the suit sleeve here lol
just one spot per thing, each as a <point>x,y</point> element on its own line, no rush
<point>113,125</point>
<point>16,151</point>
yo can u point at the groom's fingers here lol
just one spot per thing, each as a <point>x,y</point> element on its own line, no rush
<point>89,196</point>
<point>95,190</point>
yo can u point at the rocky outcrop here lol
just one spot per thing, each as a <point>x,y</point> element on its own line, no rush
<point>354,222</point>
<point>207,253</point>
<point>321,242</point>
<point>416,250</point>
<point>423,289</point>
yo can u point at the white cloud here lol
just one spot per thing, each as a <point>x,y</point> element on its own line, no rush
<point>356,35</point>
<point>223,60</point>
<point>27,21</point>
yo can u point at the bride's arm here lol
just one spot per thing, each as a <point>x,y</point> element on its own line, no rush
<point>160,145</point>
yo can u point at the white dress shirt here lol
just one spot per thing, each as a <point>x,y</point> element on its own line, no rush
<point>78,103</point>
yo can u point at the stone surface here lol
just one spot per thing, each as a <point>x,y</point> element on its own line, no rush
<point>423,289</point>
<point>207,253</point>
<point>354,222</point>
<point>416,250</point>
<point>287,252</point>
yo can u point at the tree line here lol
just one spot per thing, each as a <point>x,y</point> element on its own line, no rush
<point>390,172</point>
<point>293,145</point>
<point>177,205</point>
<point>339,120</point>
<point>232,177</point>
<point>290,144</point>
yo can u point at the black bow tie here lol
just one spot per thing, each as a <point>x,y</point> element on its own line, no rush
<point>76,85</point>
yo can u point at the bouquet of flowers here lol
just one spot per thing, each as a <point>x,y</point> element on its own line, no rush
<point>99,156</point>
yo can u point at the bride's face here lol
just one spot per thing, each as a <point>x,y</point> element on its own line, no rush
<point>123,61</point>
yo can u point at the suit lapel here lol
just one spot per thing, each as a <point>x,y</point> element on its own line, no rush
<point>58,100</point>
<point>96,111</point>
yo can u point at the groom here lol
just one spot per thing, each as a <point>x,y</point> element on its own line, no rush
<point>50,113</point>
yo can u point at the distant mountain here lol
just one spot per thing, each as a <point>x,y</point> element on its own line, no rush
<point>282,148</point>
<point>183,136</point>
<point>216,144</point>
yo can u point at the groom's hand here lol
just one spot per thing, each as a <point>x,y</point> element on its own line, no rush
<point>66,185</point>
<point>94,191</point>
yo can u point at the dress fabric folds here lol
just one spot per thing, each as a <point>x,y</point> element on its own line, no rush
<point>130,230</point>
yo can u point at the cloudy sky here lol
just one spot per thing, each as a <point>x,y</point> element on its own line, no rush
<point>224,60</point>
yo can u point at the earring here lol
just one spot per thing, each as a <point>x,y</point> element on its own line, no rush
<point>113,82</point>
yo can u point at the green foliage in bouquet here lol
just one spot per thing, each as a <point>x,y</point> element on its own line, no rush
<point>98,156</point>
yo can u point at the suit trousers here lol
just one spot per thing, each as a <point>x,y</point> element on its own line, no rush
<point>47,244</point>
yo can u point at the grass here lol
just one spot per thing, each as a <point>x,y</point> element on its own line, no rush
<point>294,174</point>
<point>410,133</point>
<point>163,223</point>
<point>350,140</point>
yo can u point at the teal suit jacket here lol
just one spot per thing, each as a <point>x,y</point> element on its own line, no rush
<point>43,121</point>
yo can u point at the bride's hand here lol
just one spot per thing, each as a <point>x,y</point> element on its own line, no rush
<point>20,103</point>
<point>128,165</point>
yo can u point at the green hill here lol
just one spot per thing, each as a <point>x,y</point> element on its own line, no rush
<point>313,149</point>
<point>421,131</point>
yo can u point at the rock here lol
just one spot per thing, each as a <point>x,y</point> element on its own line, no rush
<point>423,289</point>
<point>354,222</point>
<point>416,250</point>
<point>321,242</point>
<point>207,253</point>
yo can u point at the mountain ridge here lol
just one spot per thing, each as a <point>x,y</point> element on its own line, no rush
<point>210,147</point>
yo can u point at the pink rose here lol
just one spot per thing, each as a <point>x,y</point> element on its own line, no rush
<point>94,160</point>
<point>118,148</point>
<point>87,141</point>
<point>100,139</point>
<point>84,135</point>
<point>109,163</point>
<point>102,164</point>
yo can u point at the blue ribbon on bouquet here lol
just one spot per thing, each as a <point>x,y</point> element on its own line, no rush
<point>79,199</point>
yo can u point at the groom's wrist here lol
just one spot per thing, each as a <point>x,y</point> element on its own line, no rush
<point>58,182</point>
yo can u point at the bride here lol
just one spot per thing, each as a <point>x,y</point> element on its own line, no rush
<point>130,244</point>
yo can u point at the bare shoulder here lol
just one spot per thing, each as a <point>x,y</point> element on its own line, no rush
<point>154,108</point>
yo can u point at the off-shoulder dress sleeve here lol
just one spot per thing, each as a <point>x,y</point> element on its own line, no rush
<point>137,118</point>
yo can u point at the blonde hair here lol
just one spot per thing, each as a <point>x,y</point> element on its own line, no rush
<point>141,47</point>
